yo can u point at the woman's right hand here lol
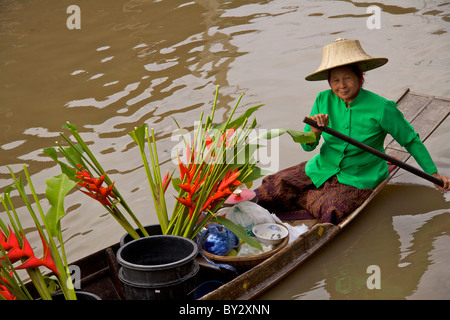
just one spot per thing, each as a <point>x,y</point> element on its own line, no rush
<point>322,120</point>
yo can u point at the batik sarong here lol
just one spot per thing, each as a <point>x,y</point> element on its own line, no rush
<point>291,194</point>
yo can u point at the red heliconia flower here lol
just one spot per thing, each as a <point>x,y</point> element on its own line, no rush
<point>4,291</point>
<point>227,135</point>
<point>185,201</point>
<point>16,253</point>
<point>219,192</point>
<point>183,171</point>
<point>6,294</point>
<point>190,155</point>
<point>94,187</point>
<point>229,179</point>
<point>186,187</point>
<point>47,259</point>
<point>4,242</point>
<point>166,181</point>
<point>208,142</point>
<point>4,279</point>
<point>223,138</point>
<point>12,246</point>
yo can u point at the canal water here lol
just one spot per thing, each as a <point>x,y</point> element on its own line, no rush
<point>109,66</point>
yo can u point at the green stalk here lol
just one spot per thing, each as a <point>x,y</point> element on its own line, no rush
<point>73,162</point>
<point>34,274</point>
<point>2,225</point>
<point>232,111</point>
<point>158,195</point>
<point>214,105</point>
<point>100,171</point>
<point>62,269</point>
<point>161,216</point>
<point>157,173</point>
<point>39,283</point>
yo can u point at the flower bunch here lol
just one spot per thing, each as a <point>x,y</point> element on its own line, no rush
<point>220,191</point>
<point>82,167</point>
<point>218,159</point>
<point>15,248</point>
<point>16,252</point>
<point>4,291</point>
<point>94,187</point>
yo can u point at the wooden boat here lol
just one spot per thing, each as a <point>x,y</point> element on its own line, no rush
<point>99,271</point>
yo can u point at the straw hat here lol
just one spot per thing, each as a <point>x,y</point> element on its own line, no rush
<point>343,52</point>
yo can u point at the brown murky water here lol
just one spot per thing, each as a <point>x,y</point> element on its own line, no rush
<point>135,62</point>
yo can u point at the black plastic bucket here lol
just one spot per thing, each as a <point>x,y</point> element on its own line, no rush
<point>152,230</point>
<point>161,267</point>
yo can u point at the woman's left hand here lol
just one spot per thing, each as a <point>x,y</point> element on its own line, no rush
<point>445,180</point>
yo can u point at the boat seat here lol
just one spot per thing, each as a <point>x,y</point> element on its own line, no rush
<point>309,223</point>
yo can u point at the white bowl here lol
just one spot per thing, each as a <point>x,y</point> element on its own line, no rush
<point>270,233</point>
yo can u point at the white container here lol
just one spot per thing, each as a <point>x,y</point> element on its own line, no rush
<point>270,233</point>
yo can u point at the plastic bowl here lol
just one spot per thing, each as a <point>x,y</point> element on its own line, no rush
<point>270,233</point>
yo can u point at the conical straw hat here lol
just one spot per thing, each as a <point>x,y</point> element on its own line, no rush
<point>343,52</point>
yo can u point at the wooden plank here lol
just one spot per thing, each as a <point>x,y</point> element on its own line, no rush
<point>425,115</point>
<point>399,154</point>
<point>410,104</point>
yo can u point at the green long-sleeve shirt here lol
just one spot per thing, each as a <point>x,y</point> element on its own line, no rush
<point>368,119</point>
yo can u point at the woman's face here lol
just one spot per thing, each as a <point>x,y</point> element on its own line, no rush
<point>344,83</point>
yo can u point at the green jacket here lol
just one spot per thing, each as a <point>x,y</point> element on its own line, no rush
<point>368,119</point>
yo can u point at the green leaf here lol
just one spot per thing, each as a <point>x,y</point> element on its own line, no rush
<point>239,120</point>
<point>57,189</point>
<point>297,136</point>
<point>138,135</point>
<point>237,230</point>
<point>68,170</point>
<point>74,153</point>
<point>176,184</point>
<point>69,126</point>
<point>52,153</point>
<point>256,173</point>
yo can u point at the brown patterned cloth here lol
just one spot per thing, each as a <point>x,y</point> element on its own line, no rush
<point>290,194</point>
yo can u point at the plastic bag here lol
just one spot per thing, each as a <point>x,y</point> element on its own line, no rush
<point>247,214</point>
<point>247,250</point>
<point>219,240</point>
<point>294,232</point>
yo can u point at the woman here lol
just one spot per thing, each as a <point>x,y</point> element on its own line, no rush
<point>341,177</point>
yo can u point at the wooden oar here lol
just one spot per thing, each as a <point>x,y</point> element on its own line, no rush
<point>375,152</point>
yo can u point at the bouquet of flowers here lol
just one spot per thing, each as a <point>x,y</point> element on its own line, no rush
<point>218,159</point>
<point>15,248</point>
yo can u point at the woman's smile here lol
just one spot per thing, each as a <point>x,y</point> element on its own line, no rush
<point>344,83</point>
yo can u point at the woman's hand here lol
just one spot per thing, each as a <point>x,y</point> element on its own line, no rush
<point>322,120</point>
<point>445,180</point>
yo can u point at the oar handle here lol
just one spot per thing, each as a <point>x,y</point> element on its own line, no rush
<point>375,152</point>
